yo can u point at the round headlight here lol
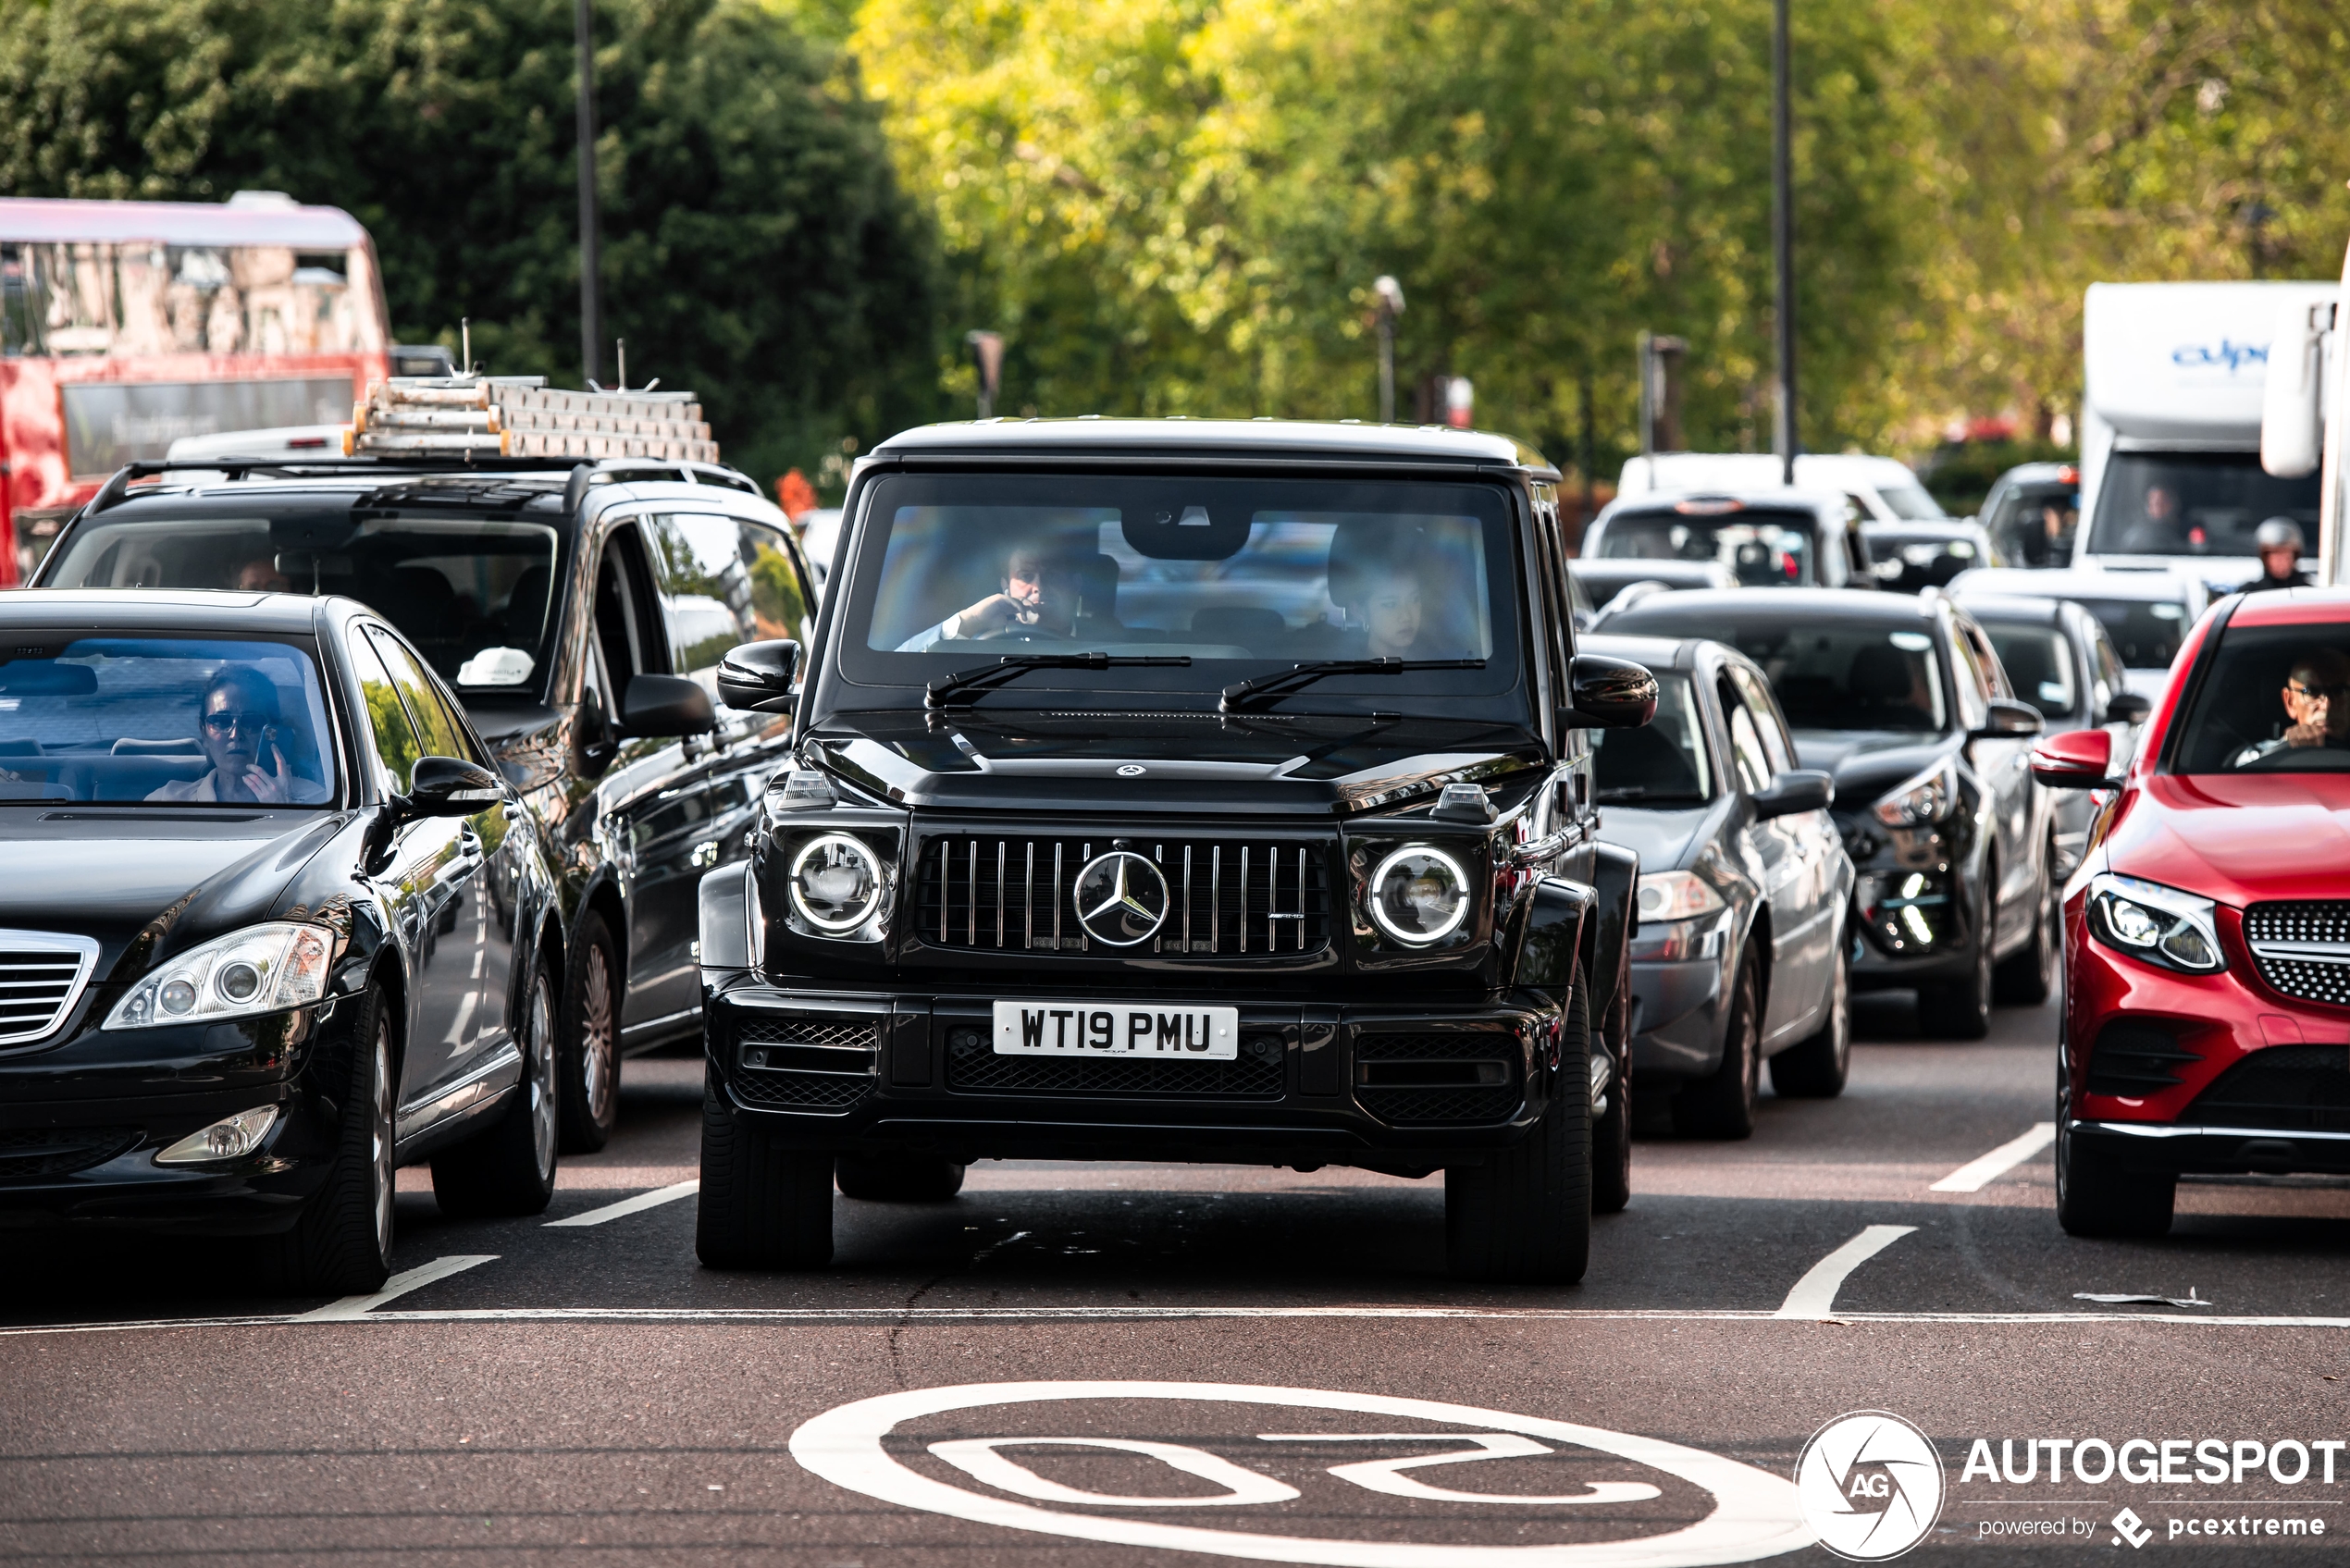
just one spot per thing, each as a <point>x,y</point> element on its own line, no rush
<point>836,882</point>
<point>1419,896</point>
<point>239,981</point>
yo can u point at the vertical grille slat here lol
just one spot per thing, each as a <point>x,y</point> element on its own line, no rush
<point>1030,884</point>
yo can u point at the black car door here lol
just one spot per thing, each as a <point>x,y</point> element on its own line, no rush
<point>2004,766</point>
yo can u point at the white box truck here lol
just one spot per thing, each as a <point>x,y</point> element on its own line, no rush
<point>2171,422</point>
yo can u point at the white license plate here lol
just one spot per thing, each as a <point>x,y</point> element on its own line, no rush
<point>1091,1029</point>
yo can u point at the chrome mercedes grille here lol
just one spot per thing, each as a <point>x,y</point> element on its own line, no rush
<point>1226,897</point>
<point>42,975</point>
<point>2302,949</point>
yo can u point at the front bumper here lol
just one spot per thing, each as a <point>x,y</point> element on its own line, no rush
<point>81,1121</point>
<point>1388,1087</point>
<point>2211,1074</point>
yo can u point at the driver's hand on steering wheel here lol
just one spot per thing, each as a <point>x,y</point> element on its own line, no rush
<point>994,615</point>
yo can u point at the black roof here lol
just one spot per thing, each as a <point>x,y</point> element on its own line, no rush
<point>134,610</point>
<point>1091,437</point>
<point>1701,605</point>
<point>2014,609</point>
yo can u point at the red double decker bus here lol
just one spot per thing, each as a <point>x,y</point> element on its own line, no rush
<point>125,326</point>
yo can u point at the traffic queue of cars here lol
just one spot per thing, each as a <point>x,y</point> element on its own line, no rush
<point>1030,842</point>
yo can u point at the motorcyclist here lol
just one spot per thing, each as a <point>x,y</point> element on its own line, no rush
<point>2279,544</point>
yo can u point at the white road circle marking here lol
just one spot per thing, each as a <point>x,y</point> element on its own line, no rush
<point>1755,1514</point>
<point>978,1458</point>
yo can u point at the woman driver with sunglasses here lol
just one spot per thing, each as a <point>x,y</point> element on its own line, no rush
<point>236,726</point>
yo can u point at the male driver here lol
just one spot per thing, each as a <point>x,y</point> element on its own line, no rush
<point>1039,595</point>
<point>2317,698</point>
<point>2279,542</point>
<point>261,576</point>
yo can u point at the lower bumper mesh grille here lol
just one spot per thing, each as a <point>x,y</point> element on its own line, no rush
<point>29,1154</point>
<point>1448,1076</point>
<point>972,1066</point>
<point>809,1062</point>
<point>2289,1088</point>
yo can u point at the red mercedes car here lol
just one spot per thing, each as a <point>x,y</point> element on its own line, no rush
<point>2207,1008</point>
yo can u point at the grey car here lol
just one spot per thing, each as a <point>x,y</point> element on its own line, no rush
<point>1743,952</point>
<point>2059,658</point>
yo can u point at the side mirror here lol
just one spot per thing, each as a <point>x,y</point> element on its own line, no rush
<point>2010,720</point>
<point>2292,428</point>
<point>2075,760</point>
<point>757,677</point>
<point>2127,708</point>
<point>666,705</point>
<point>447,786</point>
<point>1609,694</point>
<point>1797,789</point>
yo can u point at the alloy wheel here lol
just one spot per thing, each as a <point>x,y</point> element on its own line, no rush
<point>596,1037</point>
<point>540,1062</point>
<point>380,1174</point>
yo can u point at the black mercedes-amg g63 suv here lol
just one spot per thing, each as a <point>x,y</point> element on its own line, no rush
<point>1180,790</point>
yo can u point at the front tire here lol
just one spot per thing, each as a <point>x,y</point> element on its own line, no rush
<point>897,1178</point>
<point>2097,1197</point>
<point>1961,1009</point>
<point>588,1064</point>
<point>763,1204</point>
<point>1816,1069</point>
<point>1722,1104</point>
<point>1612,1143</point>
<point>341,1245</point>
<point>510,1168</point>
<point>1524,1217</point>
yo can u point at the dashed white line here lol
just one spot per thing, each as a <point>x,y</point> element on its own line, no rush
<point>399,1284</point>
<point>627,1206</point>
<point>1814,1294</point>
<point>1979,1173</point>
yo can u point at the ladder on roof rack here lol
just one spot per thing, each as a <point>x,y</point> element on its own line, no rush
<point>522,416</point>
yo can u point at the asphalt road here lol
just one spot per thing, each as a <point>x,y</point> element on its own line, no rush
<point>1246,1363</point>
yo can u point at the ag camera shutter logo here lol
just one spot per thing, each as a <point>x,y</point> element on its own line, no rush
<point>1870,1485</point>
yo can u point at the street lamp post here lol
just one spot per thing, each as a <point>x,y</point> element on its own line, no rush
<point>1782,435</point>
<point>591,325</point>
<point>1388,296</point>
<point>987,358</point>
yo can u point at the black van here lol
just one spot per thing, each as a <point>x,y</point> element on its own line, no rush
<point>1180,790</point>
<point>579,610</point>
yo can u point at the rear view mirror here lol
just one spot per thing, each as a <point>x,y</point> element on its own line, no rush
<point>2127,708</point>
<point>449,786</point>
<point>2010,720</point>
<point>1797,789</point>
<point>666,705</point>
<point>1609,694</point>
<point>757,677</point>
<point>2075,760</point>
<point>2292,422</point>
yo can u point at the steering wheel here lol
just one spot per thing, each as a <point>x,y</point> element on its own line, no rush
<point>1024,634</point>
<point>2300,759</point>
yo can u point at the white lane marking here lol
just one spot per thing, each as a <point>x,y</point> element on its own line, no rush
<point>397,1286</point>
<point>977,1458</point>
<point>1814,1294</point>
<point>1979,1173</point>
<point>637,1205</point>
<point>1753,1515</point>
<point>905,1317</point>
<point>1387,1474</point>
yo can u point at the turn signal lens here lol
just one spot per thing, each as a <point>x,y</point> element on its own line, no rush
<point>1419,896</point>
<point>231,1139</point>
<point>264,968</point>
<point>1675,895</point>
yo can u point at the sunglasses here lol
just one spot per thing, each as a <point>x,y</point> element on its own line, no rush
<point>250,723</point>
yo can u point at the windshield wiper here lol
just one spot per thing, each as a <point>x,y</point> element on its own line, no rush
<point>943,692</point>
<point>1297,678</point>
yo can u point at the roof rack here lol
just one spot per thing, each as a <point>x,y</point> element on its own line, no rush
<point>582,472</point>
<point>522,416</point>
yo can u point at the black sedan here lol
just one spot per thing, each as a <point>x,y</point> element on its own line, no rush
<point>274,926</point>
<point>1902,701</point>
<point>1744,887</point>
<point>1910,557</point>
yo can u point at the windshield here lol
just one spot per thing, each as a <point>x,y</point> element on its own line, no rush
<point>471,594</point>
<point>2033,524</point>
<point>1909,564</point>
<point>1661,763</point>
<point>1240,577</point>
<point>2275,699</point>
<point>1848,677</point>
<point>1910,502</point>
<point>2146,632</point>
<point>1763,548</point>
<point>172,721</point>
<point>2193,504</point>
<point>2040,667</point>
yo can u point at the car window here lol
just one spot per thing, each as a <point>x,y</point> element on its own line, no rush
<point>626,641</point>
<point>1663,762</point>
<point>1972,685</point>
<point>391,737</point>
<point>2112,674</point>
<point>2193,504</point>
<point>725,582</point>
<point>1747,758</point>
<point>433,729</point>
<point>1995,677</point>
<point>1763,548</point>
<point>473,594</point>
<point>2275,699</point>
<point>2146,633</point>
<point>2039,664</point>
<point>1908,499</point>
<point>1767,722</point>
<point>169,720</point>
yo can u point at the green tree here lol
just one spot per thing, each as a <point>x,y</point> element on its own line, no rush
<point>758,248</point>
